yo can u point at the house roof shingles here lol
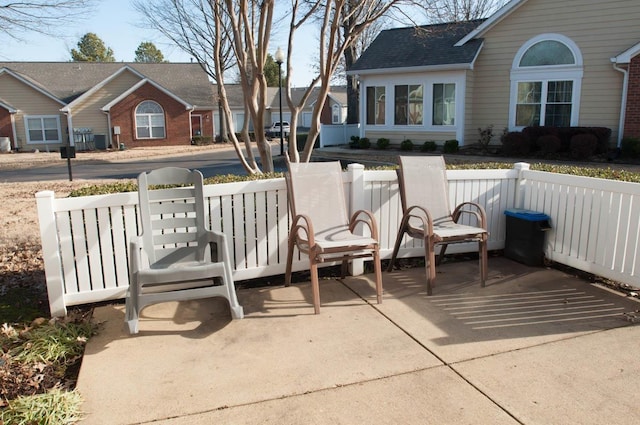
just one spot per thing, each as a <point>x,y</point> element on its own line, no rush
<point>69,80</point>
<point>428,45</point>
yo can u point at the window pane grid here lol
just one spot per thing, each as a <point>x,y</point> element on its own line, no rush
<point>401,103</point>
<point>150,121</point>
<point>553,98</point>
<point>444,104</point>
<point>376,105</point>
<point>43,129</point>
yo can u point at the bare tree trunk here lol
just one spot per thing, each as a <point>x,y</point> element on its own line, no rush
<point>353,90</point>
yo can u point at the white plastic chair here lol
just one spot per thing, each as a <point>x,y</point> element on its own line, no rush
<point>175,257</point>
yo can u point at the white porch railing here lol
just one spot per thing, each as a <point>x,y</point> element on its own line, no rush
<point>85,239</point>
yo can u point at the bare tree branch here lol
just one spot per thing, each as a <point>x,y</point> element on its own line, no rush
<point>48,17</point>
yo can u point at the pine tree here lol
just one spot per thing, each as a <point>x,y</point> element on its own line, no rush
<point>92,49</point>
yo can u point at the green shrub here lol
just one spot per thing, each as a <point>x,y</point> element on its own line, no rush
<point>583,145</point>
<point>429,146</point>
<point>406,145</point>
<point>515,143</point>
<point>132,186</point>
<point>301,139</point>
<point>602,134</point>
<point>383,143</point>
<point>54,407</point>
<point>486,134</point>
<point>201,140</point>
<point>549,144</point>
<point>451,146</point>
<point>630,147</point>
<point>252,136</point>
<point>355,142</point>
<point>364,143</point>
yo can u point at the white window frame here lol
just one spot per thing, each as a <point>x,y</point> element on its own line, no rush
<point>148,124</point>
<point>336,117</point>
<point>42,118</point>
<point>444,127</point>
<point>408,85</point>
<point>386,105</point>
<point>427,80</point>
<point>545,74</point>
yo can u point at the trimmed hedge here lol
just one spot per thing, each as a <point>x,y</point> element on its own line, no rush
<point>451,146</point>
<point>406,145</point>
<point>383,143</point>
<point>565,134</point>
<point>515,143</point>
<point>630,147</point>
<point>429,146</point>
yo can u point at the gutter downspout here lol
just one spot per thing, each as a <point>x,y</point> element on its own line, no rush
<point>109,130</point>
<point>15,132</point>
<point>623,106</point>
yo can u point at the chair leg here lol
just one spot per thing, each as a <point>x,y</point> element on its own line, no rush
<point>287,274</point>
<point>131,316</point>
<point>396,247</point>
<point>131,308</point>
<point>237,312</point>
<point>377,267</point>
<point>483,261</point>
<point>315,286</point>
<point>343,268</point>
<point>430,267</point>
<point>441,255</point>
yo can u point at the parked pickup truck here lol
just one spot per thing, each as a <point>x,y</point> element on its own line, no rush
<point>274,130</point>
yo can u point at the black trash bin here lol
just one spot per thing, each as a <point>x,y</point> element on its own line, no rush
<point>525,236</point>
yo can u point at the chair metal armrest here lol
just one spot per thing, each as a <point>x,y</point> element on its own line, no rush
<point>369,220</point>
<point>303,223</point>
<point>424,215</point>
<point>477,212</point>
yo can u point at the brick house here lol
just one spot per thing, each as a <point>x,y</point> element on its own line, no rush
<point>46,105</point>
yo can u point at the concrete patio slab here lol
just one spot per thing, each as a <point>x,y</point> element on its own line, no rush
<point>433,396</point>
<point>536,346</point>
<point>520,307</point>
<point>591,379</point>
<point>190,357</point>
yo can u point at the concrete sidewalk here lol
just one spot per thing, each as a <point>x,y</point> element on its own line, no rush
<point>536,346</point>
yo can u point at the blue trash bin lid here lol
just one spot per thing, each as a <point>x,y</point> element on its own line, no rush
<point>527,215</point>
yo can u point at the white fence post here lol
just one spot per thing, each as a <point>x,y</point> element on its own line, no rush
<point>51,253</point>
<point>357,203</point>
<point>519,198</point>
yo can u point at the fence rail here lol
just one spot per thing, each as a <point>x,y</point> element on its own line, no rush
<point>85,239</point>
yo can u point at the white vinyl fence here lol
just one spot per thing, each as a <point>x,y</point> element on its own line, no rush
<point>337,134</point>
<point>85,239</point>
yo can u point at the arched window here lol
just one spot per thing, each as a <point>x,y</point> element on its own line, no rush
<point>547,52</point>
<point>546,79</point>
<point>335,114</point>
<point>150,120</point>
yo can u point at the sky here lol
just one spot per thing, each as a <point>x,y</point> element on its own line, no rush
<point>117,24</point>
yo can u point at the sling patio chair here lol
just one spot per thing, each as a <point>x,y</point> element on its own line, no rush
<point>321,227</point>
<point>424,193</point>
<point>176,258</point>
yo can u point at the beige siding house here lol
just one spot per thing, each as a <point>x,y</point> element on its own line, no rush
<point>534,62</point>
<point>88,105</point>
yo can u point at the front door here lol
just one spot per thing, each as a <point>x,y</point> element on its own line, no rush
<point>196,125</point>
